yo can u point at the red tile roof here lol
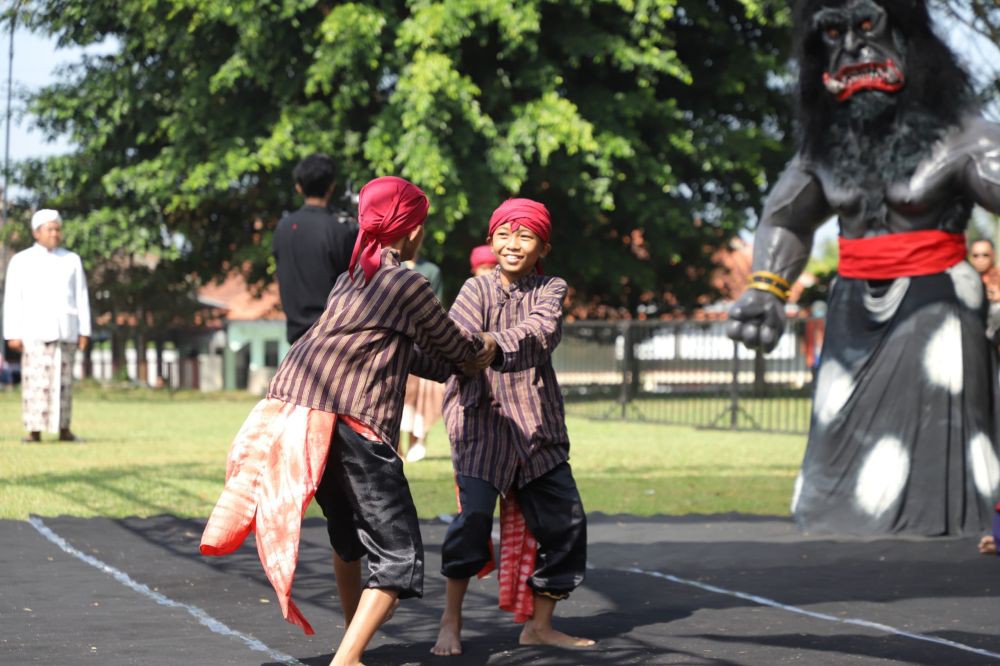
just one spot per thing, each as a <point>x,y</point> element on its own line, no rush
<point>235,297</point>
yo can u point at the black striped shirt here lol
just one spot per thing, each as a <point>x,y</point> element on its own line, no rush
<point>355,359</point>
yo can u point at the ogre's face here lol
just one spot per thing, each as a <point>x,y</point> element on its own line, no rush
<point>862,55</point>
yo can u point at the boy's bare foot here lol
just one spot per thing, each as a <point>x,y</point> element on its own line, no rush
<point>988,545</point>
<point>373,607</point>
<point>348,662</point>
<point>449,642</point>
<point>532,635</point>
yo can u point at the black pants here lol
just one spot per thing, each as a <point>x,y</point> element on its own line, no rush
<point>369,511</point>
<point>552,511</point>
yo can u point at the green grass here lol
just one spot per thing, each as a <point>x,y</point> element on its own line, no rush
<point>150,453</point>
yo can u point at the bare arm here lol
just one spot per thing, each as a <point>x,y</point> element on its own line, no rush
<point>794,209</point>
<point>967,158</point>
<point>982,173</point>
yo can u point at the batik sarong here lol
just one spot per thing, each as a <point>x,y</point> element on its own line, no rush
<point>47,385</point>
<point>904,427</point>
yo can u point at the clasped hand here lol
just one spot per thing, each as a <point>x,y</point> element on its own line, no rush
<point>483,358</point>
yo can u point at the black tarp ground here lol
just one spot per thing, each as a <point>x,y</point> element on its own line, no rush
<point>56,609</point>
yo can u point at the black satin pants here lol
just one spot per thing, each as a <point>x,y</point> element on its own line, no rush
<point>553,511</point>
<point>369,511</point>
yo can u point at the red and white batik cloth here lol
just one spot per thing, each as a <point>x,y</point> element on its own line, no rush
<point>518,551</point>
<point>518,554</point>
<point>47,385</point>
<point>275,464</point>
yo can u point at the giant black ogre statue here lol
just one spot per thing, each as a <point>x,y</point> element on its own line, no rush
<point>904,426</point>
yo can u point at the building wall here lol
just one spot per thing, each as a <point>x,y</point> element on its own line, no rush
<point>252,353</point>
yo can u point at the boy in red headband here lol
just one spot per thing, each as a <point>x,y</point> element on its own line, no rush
<point>330,422</point>
<point>508,436</point>
<point>482,260</point>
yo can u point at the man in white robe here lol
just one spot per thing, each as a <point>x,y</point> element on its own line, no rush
<point>46,316</point>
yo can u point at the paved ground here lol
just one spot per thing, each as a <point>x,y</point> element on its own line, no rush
<point>721,590</point>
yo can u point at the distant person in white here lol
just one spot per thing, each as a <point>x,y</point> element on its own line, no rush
<point>46,316</point>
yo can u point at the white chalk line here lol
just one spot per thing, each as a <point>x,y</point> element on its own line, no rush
<point>219,627</point>
<point>196,612</point>
<point>764,601</point>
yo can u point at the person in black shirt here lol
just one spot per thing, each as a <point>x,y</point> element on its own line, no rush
<point>311,246</point>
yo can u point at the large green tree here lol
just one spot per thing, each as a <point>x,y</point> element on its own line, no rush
<point>649,127</point>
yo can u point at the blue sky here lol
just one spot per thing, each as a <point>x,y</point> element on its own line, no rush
<point>36,64</point>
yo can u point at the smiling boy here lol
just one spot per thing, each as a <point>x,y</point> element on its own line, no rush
<point>508,433</point>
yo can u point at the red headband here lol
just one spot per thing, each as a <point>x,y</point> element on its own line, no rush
<point>388,209</point>
<point>531,214</point>
<point>482,256</point>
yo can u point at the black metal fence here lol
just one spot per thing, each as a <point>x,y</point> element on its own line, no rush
<point>688,373</point>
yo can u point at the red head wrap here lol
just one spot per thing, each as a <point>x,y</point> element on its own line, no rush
<point>482,256</point>
<point>531,214</point>
<point>388,209</point>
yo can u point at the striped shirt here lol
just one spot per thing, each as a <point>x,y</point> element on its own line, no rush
<point>507,424</point>
<point>355,359</point>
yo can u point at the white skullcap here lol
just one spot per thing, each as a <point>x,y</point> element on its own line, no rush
<point>43,216</point>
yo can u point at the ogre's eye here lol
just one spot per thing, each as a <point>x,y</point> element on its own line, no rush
<point>833,33</point>
<point>867,25</point>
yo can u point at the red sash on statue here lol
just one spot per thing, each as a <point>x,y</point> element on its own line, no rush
<point>900,255</point>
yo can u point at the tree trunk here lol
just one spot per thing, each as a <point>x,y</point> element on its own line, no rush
<point>119,368</point>
<point>88,363</point>
<point>141,367</point>
<point>160,382</point>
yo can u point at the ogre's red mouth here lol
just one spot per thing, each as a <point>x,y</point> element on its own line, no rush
<point>884,76</point>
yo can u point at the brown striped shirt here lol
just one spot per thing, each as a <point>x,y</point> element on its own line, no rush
<point>356,357</point>
<point>507,424</point>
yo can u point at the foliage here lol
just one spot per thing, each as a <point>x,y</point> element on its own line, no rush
<point>649,127</point>
<point>982,16</point>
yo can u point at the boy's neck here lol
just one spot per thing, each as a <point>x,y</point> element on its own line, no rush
<point>404,250</point>
<point>320,202</point>
<point>507,278</point>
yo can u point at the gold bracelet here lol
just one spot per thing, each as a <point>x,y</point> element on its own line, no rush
<point>770,288</point>
<point>772,278</point>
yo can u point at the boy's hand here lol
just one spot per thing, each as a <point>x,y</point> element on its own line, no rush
<point>488,353</point>
<point>483,358</point>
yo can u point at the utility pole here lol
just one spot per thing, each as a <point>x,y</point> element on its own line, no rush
<point>4,211</point>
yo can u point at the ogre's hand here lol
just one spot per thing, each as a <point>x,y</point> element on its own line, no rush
<point>757,319</point>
